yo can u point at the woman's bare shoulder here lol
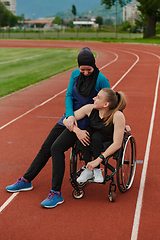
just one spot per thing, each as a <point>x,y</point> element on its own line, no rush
<point>118,115</point>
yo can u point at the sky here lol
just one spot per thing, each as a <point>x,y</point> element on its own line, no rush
<point>41,8</point>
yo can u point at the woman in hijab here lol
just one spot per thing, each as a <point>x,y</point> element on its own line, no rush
<point>85,82</point>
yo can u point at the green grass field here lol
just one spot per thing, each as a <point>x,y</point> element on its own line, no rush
<point>21,67</point>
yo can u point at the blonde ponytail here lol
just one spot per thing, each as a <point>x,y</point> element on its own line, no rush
<point>117,103</point>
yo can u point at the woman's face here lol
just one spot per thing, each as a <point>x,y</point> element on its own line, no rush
<point>100,100</point>
<point>86,70</point>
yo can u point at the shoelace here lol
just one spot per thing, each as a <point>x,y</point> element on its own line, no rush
<point>51,195</point>
<point>18,181</point>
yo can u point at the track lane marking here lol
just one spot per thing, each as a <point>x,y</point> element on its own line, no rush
<point>138,209</point>
<point>8,201</point>
<point>127,70</point>
<point>26,58</point>
<point>111,61</point>
<point>43,103</point>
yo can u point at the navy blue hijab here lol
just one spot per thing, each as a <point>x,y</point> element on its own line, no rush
<point>86,84</point>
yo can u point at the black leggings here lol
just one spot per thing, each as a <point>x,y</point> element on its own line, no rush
<point>95,148</point>
<point>59,140</point>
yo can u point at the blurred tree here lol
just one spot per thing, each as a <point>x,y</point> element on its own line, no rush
<point>6,17</point>
<point>12,20</point>
<point>108,22</point>
<point>99,20</point>
<point>150,13</point>
<point>126,25</point>
<point>74,12</point>
<point>3,15</point>
<point>57,20</point>
<point>110,3</point>
<point>21,17</point>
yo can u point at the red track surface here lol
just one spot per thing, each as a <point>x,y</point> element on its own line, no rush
<point>93,216</point>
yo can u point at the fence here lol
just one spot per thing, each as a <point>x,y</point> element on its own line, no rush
<point>42,34</point>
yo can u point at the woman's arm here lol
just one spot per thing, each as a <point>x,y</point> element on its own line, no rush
<point>119,126</point>
<point>82,135</point>
<point>69,102</point>
<point>82,112</point>
<point>69,94</point>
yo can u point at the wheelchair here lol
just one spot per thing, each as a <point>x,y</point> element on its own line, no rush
<point>124,168</point>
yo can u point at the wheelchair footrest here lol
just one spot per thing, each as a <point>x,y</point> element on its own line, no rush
<point>92,181</point>
<point>74,183</point>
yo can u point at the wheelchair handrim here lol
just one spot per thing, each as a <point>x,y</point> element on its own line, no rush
<point>133,164</point>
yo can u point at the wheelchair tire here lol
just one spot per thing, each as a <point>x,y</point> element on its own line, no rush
<point>78,193</point>
<point>126,163</point>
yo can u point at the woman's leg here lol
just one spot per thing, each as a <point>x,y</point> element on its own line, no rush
<point>97,140</point>
<point>62,144</point>
<point>44,154</point>
<point>97,147</point>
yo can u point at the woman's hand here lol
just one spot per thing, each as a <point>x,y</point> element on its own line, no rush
<point>127,128</point>
<point>83,136</point>
<point>70,122</point>
<point>91,165</point>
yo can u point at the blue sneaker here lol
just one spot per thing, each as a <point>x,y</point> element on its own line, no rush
<point>52,200</point>
<point>20,185</point>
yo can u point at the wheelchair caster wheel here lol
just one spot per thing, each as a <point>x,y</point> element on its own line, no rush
<point>78,193</point>
<point>112,196</point>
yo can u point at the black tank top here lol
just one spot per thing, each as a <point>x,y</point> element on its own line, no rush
<point>97,124</point>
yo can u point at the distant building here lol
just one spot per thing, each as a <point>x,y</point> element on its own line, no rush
<point>39,23</point>
<point>85,22</point>
<point>10,5</point>
<point>130,12</point>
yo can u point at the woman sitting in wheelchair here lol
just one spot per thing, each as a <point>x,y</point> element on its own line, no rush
<point>107,123</point>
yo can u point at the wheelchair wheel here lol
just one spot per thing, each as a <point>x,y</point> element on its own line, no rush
<point>78,193</point>
<point>126,163</point>
<point>76,166</point>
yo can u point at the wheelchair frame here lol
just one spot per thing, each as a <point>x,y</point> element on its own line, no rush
<point>125,168</point>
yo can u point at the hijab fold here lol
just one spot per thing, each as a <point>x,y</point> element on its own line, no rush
<point>86,84</point>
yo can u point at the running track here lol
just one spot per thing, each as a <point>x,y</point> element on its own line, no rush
<point>28,115</point>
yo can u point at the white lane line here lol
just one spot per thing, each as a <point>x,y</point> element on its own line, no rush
<point>111,61</point>
<point>135,228</point>
<point>5,125</point>
<point>128,69</point>
<point>26,58</point>
<point>8,201</point>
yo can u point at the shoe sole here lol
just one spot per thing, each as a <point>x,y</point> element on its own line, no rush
<point>20,190</point>
<point>52,206</point>
<point>98,181</point>
<point>85,180</point>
